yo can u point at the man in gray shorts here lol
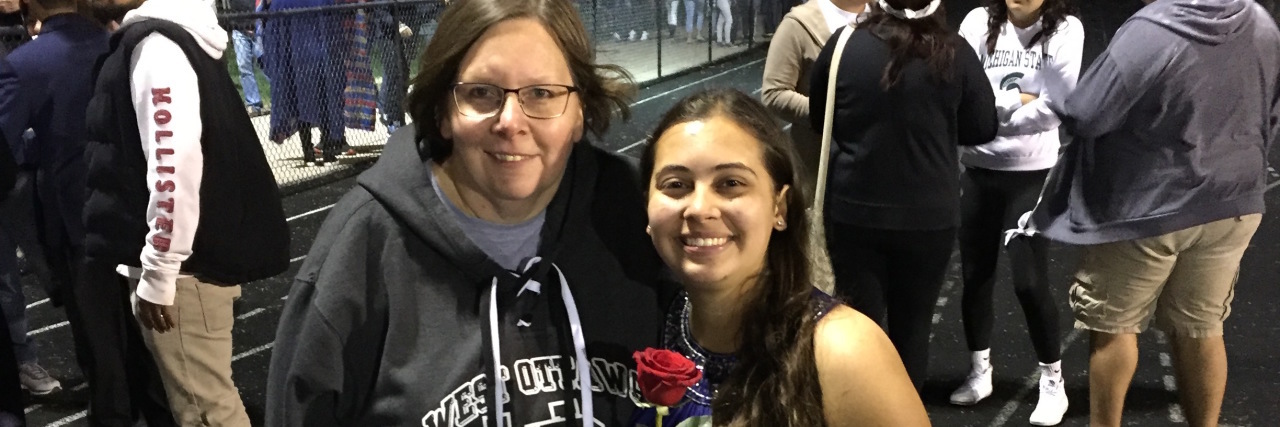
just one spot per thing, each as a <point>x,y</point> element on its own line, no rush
<point>1163,186</point>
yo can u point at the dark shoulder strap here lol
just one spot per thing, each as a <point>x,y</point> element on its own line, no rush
<point>822,303</point>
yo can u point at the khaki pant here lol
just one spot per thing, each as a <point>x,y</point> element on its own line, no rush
<point>195,357</point>
<point>1185,280</point>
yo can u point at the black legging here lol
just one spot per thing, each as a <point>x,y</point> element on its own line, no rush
<point>991,203</point>
<point>893,277</point>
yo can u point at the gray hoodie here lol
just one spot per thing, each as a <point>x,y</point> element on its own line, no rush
<point>1172,125</point>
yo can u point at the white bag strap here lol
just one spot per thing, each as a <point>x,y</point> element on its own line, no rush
<point>820,190</point>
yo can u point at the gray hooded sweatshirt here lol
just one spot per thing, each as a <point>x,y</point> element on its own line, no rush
<point>1172,125</point>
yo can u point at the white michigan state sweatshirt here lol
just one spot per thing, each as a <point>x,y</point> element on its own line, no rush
<point>1028,135</point>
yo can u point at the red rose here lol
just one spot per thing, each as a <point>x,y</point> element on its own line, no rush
<point>664,375</point>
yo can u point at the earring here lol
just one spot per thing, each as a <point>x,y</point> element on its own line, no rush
<point>780,223</point>
<point>648,229</point>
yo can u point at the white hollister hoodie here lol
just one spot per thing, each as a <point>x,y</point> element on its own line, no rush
<point>1028,135</point>
<point>166,98</point>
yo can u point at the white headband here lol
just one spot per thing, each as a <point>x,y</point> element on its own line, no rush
<point>908,13</point>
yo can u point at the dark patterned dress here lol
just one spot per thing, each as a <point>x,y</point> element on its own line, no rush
<point>695,409</point>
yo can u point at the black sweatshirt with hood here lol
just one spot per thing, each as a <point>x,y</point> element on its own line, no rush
<point>389,320</point>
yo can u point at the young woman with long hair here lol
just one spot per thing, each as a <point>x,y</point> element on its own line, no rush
<point>909,90</point>
<point>726,216</point>
<point>1031,52</point>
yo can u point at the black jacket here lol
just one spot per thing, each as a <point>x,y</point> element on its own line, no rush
<point>387,321</point>
<point>894,157</point>
<point>242,235</point>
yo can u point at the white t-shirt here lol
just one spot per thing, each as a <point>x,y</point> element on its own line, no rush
<point>835,16</point>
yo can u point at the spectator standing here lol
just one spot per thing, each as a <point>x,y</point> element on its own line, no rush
<point>1163,186</point>
<point>45,87</point>
<point>389,37</point>
<point>1031,52</point>
<point>181,198</point>
<point>785,89</point>
<point>248,48</point>
<point>11,409</point>
<point>909,91</point>
<point>305,56</point>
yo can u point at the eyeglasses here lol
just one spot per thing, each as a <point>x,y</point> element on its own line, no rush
<point>537,101</point>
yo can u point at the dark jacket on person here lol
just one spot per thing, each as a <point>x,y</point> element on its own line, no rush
<point>894,158</point>
<point>45,86</point>
<point>242,235</point>
<point>8,169</point>
<point>1172,125</point>
<point>388,320</point>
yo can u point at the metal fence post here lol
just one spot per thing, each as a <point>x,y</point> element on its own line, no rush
<point>658,27</point>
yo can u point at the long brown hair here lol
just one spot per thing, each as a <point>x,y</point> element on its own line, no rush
<point>1053,13</point>
<point>602,88</point>
<point>776,380</point>
<point>925,38</point>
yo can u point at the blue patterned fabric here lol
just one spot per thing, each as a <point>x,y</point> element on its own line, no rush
<point>695,409</point>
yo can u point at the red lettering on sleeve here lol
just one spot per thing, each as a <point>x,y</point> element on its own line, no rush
<point>160,96</point>
<point>167,205</point>
<point>166,169</point>
<point>163,134</point>
<point>165,186</point>
<point>160,243</point>
<point>162,117</point>
<point>161,152</point>
<point>164,224</point>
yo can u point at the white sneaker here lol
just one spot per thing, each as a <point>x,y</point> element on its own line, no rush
<point>975,388</point>
<point>617,37</point>
<point>631,36</point>
<point>37,380</point>
<point>644,36</point>
<point>1052,404</point>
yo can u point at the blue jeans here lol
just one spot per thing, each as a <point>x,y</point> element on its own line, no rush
<point>392,48</point>
<point>691,11</point>
<point>248,50</point>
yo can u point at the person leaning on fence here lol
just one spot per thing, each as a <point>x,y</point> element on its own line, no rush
<point>490,239</point>
<point>908,91</point>
<point>785,87</point>
<point>1163,186</point>
<point>181,198</point>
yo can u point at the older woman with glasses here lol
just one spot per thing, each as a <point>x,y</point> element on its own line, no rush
<point>492,268</point>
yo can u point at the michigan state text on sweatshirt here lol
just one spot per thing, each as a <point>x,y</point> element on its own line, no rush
<point>1028,136</point>
<point>388,320</point>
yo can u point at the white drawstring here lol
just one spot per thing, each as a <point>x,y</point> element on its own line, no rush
<point>1025,228</point>
<point>579,345</point>
<point>497,353</point>
<point>580,348</point>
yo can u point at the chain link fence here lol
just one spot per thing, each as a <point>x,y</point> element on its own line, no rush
<point>325,85</point>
